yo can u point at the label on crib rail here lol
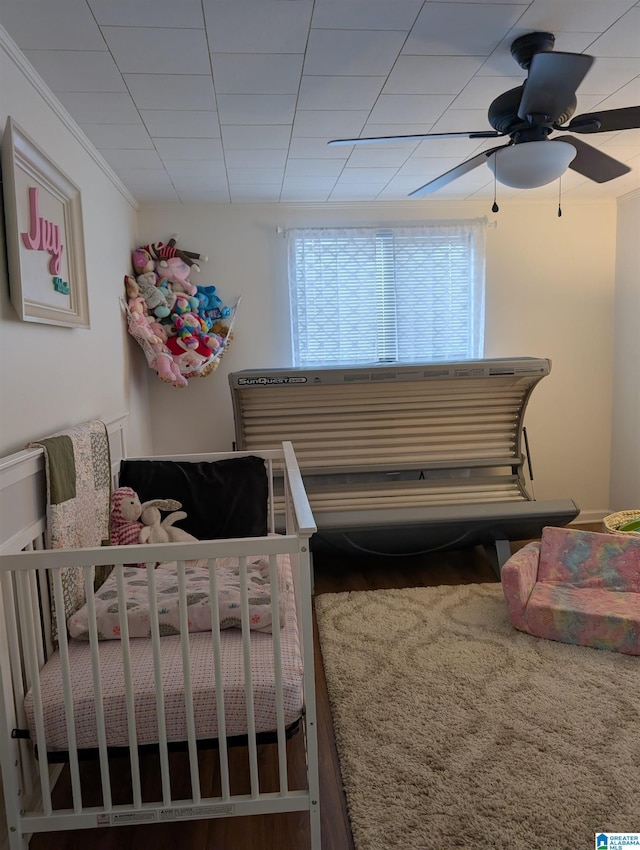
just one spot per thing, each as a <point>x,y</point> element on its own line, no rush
<point>176,813</point>
<point>186,812</point>
<point>126,817</point>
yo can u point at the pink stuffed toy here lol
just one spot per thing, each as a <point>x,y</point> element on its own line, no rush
<point>176,271</point>
<point>125,515</point>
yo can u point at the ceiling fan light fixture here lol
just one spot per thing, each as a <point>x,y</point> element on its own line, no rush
<point>531,164</point>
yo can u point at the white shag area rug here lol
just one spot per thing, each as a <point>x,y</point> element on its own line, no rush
<point>456,731</point>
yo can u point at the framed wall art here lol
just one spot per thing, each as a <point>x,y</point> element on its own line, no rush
<point>45,240</point>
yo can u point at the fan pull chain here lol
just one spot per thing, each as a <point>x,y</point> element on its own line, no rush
<point>559,197</point>
<point>495,208</point>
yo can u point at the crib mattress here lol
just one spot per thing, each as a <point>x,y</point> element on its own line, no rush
<point>202,685</point>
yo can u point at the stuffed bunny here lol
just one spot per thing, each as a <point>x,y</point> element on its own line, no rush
<point>156,531</point>
<point>127,512</point>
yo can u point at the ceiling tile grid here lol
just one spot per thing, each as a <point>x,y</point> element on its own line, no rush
<point>233,101</point>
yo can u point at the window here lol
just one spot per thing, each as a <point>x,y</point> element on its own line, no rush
<point>387,295</point>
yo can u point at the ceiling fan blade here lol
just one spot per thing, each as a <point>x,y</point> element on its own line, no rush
<point>454,173</point>
<point>480,134</point>
<point>592,162</point>
<point>551,85</point>
<point>627,118</point>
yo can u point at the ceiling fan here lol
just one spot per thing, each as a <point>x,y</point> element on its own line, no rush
<point>529,114</point>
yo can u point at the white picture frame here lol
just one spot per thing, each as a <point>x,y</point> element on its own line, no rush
<point>45,238</point>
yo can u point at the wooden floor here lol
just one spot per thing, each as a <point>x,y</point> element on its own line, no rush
<point>333,573</point>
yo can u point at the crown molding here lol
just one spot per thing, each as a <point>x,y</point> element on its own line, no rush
<point>11,49</point>
<point>630,196</point>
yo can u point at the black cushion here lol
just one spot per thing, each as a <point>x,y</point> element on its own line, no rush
<point>224,498</point>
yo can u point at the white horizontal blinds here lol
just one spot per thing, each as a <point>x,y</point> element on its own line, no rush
<point>403,422</point>
<point>383,295</point>
<point>333,289</point>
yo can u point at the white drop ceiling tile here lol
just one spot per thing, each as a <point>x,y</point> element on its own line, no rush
<point>175,92</point>
<point>484,90</point>
<point>254,137</point>
<point>427,167</point>
<point>258,176</point>
<point>155,193</point>
<point>378,14</point>
<point>318,149</point>
<point>621,39</point>
<point>628,95</point>
<point>337,124</point>
<point>364,53</point>
<point>254,194</point>
<point>118,136</point>
<point>100,107</point>
<point>623,153</point>
<point>208,149</point>
<point>257,26</point>
<point>353,193</point>
<point>265,73</point>
<point>78,70</point>
<point>200,195</point>
<point>206,182</point>
<point>153,50</point>
<point>129,159</point>
<point>464,148</point>
<point>373,130</point>
<point>319,184</point>
<point>470,30</point>
<point>587,103</point>
<point>431,74</point>
<point>142,13</point>
<point>196,168</point>
<point>332,92</point>
<point>191,124</point>
<point>43,25</point>
<point>462,121</point>
<point>623,138</point>
<point>609,74</point>
<point>577,15</point>
<point>369,176</point>
<point>401,108</point>
<point>311,167</point>
<point>256,108</point>
<point>373,156</point>
<point>256,159</point>
<point>306,195</point>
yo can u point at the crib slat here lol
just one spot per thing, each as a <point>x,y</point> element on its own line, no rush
<point>223,752</point>
<point>248,680</point>
<point>97,689</point>
<point>67,691</point>
<point>128,680</point>
<point>188,693</point>
<point>11,625</point>
<point>274,583</point>
<point>157,674</point>
<point>31,667</point>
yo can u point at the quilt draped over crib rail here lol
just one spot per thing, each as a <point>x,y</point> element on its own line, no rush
<point>78,476</point>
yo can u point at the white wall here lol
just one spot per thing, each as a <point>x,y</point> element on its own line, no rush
<point>52,377</point>
<point>550,285</point>
<point>625,443</point>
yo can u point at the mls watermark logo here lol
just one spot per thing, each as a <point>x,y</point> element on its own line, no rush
<point>617,840</point>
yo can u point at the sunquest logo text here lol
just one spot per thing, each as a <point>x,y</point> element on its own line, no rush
<point>263,379</point>
<point>617,840</point>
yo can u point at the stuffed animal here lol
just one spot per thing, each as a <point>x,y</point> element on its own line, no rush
<point>125,514</point>
<point>143,260</point>
<point>168,370</point>
<point>156,530</point>
<point>176,271</point>
<point>139,321</point>
<point>168,251</point>
<point>155,297</point>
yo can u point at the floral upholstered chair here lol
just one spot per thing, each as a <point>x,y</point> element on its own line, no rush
<point>577,587</point>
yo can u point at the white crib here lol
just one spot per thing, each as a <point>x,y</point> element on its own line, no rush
<point>39,682</point>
